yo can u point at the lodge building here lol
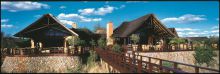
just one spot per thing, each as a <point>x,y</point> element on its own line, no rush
<point>48,31</point>
<point>150,30</point>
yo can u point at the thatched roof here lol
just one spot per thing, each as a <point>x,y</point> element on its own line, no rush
<point>173,30</point>
<point>127,28</point>
<point>84,34</point>
<point>44,22</point>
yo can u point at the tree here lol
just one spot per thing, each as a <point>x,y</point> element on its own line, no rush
<point>77,42</point>
<point>204,55</point>
<point>176,41</point>
<point>71,41</point>
<point>93,43</point>
<point>117,48</point>
<point>102,43</point>
<point>135,38</point>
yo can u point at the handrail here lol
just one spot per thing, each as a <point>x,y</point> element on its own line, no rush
<point>134,61</point>
<point>183,64</point>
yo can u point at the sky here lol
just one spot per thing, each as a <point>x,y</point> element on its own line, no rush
<point>191,19</point>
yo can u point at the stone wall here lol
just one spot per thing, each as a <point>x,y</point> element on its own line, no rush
<point>42,64</point>
<point>181,56</point>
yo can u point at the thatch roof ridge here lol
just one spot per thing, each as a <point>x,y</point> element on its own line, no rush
<point>46,15</point>
<point>126,28</point>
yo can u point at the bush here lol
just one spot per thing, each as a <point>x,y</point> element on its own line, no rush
<point>93,57</point>
<point>167,64</point>
<point>102,42</point>
<point>135,38</point>
<point>204,55</point>
<point>117,48</point>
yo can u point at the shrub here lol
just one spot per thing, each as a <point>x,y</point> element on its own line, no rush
<point>102,42</point>
<point>93,57</point>
<point>204,55</point>
<point>135,38</point>
<point>117,48</point>
<point>167,64</point>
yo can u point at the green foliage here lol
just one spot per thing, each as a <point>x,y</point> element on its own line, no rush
<point>212,40</point>
<point>92,42</point>
<point>117,48</point>
<point>79,42</point>
<point>93,57</point>
<point>167,64</point>
<point>71,41</point>
<point>102,42</point>
<point>135,38</point>
<point>204,55</point>
<point>7,41</point>
<point>176,41</point>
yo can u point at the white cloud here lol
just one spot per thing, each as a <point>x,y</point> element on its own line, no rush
<point>62,7</point>
<point>194,33</point>
<point>20,6</point>
<point>67,22</point>
<point>100,11</point>
<point>186,29</point>
<point>4,20</point>
<point>215,27</point>
<point>6,26</point>
<point>86,11</point>
<point>76,17</point>
<point>215,31</point>
<point>187,18</point>
<point>97,19</point>
<point>136,1</point>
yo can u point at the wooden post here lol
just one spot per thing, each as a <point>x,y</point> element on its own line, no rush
<point>197,69</point>
<point>32,43</point>
<point>183,46</point>
<point>175,65</point>
<point>191,46</point>
<point>187,46</point>
<point>64,46</point>
<point>150,66</point>
<point>140,65</point>
<point>133,56</point>
<point>124,41</point>
<point>161,64</point>
<point>21,52</point>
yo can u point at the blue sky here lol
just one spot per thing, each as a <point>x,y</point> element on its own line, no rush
<point>189,18</point>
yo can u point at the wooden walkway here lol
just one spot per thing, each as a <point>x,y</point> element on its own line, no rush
<point>132,63</point>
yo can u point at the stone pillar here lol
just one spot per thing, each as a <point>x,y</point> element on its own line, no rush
<point>32,43</point>
<point>64,45</point>
<point>109,33</point>
<point>41,45</point>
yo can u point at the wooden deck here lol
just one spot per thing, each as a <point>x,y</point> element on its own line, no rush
<point>135,63</point>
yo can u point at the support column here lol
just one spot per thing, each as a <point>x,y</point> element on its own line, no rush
<point>64,45</point>
<point>32,43</point>
<point>124,41</point>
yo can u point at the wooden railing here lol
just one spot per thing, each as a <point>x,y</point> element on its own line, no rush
<point>167,48</point>
<point>132,63</point>
<point>32,51</point>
